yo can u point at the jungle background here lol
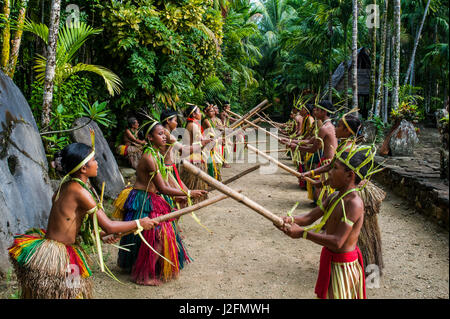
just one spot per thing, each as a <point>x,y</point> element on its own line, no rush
<point>113,59</point>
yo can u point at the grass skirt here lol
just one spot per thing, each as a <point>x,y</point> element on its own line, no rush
<point>47,269</point>
<point>369,240</point>
<point>141,261</point>
<point>132,153</point>
<point>192,182</point>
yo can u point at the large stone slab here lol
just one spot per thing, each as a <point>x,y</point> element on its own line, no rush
<point>25,190</point>
<point>108,170</point>
<point>404,140</point>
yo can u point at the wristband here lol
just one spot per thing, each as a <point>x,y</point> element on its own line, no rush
<point>293,219</point>
<point>304,234</point>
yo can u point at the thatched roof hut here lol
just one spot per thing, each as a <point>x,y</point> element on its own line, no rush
<point>337,80</point>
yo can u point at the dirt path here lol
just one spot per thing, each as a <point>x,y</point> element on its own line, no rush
<point>247,257</point>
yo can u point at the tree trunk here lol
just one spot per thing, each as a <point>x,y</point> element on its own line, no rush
<point>387,67</point>
<point>380,84</point>
<point>51,63</point>
<point>396,66</point>
<point>416,42</point>
<point>346,69</point>
<point>373,69</point>
<point>6,35</point>
<point>330,69</point>
<point>17,39</point>
<point>355,54</point>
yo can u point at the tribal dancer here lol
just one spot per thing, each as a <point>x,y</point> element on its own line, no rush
<point>52,264</point>
<point>171,152</point>
<point>306,131</point>
<point>132,145</point>
<point>211,127</point>
<point>341,272</point>
<point>143,260</point>
<point>369,240</point>
<point>226,119</point>
<point>323,144</point>
<point>193,135</point>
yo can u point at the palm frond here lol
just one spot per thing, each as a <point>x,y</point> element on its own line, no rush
<point>112,81</point>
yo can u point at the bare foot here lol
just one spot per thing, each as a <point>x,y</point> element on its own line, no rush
<point>150,282</point>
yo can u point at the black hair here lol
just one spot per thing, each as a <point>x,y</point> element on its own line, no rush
<point>165,115</point>
<point>354,123</point>
<point>72,155</point>
<point>309,107</point>
<point>131,121</point>
<point>328,105</point>
<point>355,161</point>
<point>226,103</point>
<point>189,110</point>
<point>153,128</point>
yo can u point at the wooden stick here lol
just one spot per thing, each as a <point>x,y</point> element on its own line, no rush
<point>276,151</point>
<point>258,127</point>
<point>185,210</point>
<point>281,165</point>
<point>234,194</point>
<point>235,177</point>
<point>249,114</point>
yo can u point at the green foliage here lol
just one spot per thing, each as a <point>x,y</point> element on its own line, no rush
<point>167,48</point>
<point>380,127</point>
<point>70,40</point>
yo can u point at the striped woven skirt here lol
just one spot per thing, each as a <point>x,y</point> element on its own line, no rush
<point>141,261</point>
<point>48,269</point>
<point>341,275</point>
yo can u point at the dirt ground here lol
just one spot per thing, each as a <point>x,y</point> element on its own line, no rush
<point>247,257</point>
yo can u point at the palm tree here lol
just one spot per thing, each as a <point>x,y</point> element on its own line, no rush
<point>396,62</point>
<point>6,35</point>
<point>355,55</point>
<point>373,67</point>
<point>379,92</point>
<point>416,42</point>
<point>71,38</point>
<point>51,40</point>
<point>17,39</point>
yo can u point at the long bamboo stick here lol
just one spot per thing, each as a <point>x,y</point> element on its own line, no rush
<point>258,127</point>
<point>235,177</point>
<point>281,165</point>
<point>249,114</point>
<point>234,194</point>
<point>186,210</point>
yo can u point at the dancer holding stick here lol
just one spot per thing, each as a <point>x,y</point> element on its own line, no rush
<point>158,255</point>
<point>341,272</point>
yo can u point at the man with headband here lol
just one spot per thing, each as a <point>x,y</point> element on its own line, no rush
<point>323,143</point>
<point>51,264</point>
<point>341,271</point>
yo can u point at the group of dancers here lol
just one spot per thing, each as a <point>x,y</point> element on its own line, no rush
<point>335,168</point>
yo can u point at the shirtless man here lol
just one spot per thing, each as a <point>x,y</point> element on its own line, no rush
<point>45,260</point>
<point>74,200</point>
<point>324,142</point>
<point>341,273</point>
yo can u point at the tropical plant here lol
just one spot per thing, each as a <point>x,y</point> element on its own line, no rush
<point>70,40</point>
